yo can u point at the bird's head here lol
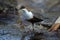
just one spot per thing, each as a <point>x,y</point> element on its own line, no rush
<point>22,7</point>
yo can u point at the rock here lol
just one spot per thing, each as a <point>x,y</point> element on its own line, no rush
<point>13,32</point>
<point>9,33</point>
<point>17,32</point>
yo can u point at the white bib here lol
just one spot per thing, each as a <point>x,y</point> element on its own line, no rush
<point>27,15</point>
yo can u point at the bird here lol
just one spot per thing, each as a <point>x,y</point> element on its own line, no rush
<point>29,16</point>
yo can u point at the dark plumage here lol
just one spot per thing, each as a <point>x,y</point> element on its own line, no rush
<point>34,20</point>
<point>22,7</point>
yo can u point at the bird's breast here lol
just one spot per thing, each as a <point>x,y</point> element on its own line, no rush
<point>28,15</point>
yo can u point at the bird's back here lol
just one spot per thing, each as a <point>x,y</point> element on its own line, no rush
<point>34,20</point>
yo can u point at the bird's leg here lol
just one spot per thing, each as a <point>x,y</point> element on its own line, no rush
<point>33,26</point>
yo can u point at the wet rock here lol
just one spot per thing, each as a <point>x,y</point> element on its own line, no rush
<point>14,32</point>
<point>9,33</point>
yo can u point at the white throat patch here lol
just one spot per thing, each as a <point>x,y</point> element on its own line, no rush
<point>27,14</point>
